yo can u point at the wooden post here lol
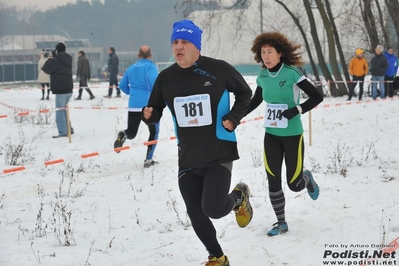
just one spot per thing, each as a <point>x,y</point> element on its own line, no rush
<point>68,123</point>
<point>329,89</point>
<point>310,128</point>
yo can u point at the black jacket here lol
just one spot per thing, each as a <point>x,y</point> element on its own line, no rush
<point>113,63</point>
<point>199,100</point>
<point>379,65</point>
<point>83,67</point>
<point>59,68</point>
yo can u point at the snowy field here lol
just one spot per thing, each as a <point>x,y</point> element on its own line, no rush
<point>107,209</point>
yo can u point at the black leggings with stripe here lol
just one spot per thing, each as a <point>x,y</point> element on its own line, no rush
<point>291,149</point>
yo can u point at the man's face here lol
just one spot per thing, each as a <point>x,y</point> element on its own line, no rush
<point>377,51</point>
<point>109,51</point>
<point>185,53</point>
<point>390,51</point>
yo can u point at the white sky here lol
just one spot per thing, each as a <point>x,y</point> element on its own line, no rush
<point>39,4</point>
<point>123,214</point>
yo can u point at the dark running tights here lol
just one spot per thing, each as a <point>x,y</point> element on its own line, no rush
<point>133,123</point>
<point>206,195</point>
<point>291,150</point>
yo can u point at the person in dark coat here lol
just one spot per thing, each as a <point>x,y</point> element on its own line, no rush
<point>59,67</point>
<point>379,65</point>
<point>83,75</point>
<point>113,64</point>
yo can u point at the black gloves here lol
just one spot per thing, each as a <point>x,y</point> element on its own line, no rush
<point>290,113</point>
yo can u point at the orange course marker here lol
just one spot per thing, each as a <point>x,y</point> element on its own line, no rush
<point>87,155</point>
<point>152,142</point>
<point>122,148</point>
<point>53,162</point>
<point>15,169</point>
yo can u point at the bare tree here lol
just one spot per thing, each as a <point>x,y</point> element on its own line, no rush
<point>369,22</point>
<point>216,9</point>
<point>316,40</point>
<point>387,41</point>
<point>393,10</point>
<point>364,19</point>
<point>339,89</point>
<point>305,40</point>
<point>337,40</point>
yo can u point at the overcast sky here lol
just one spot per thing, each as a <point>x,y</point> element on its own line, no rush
<point>39,4</point>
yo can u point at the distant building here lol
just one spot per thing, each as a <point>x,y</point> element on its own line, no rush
<point>19,55</point>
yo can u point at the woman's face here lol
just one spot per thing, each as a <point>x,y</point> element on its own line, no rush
<point>270,56</point>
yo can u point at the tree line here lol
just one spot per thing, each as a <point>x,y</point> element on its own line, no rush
<point>329,30</point>
<point>344,25</point>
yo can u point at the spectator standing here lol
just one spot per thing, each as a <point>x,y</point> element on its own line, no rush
<point>196,90</point>
<point>83,75</point>
<point>358,69</point>
<point>391,71</point>
<point>379,65</point>
<point>113,69</point>
<point>279,85</point>
<point>59,67</point>
<point>137,82</point>
<point>396,81</point>
<point>43,78</point>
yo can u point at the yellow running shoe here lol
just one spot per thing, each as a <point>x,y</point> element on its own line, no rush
<point>243,212</point>
<point>222,261</point>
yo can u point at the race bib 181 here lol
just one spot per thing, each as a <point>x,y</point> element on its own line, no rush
<point>193,111</point>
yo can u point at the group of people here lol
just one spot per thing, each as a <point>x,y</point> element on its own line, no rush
<point>55,74</point>
<point>196,90</point>
<point>383,68</point>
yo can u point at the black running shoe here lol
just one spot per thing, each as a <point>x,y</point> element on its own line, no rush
<point>120,140</point>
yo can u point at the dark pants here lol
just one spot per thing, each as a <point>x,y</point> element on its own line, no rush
<point>113,80</point>
<point>133,123</point>
<point>389,86</point>
<point>291,149</point>
<point>83,85</point>
<point>352,86</point>
<point>206,194</point>
<point>44,85</point>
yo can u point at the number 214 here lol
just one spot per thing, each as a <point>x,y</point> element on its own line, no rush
<point>273,115</point>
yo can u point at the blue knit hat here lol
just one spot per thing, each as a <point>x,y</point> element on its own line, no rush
<point>188,31</point>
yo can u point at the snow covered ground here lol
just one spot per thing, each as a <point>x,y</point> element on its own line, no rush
<point>108,210</point>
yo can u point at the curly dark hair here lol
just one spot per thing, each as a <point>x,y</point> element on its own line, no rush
<point>281,43</point>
